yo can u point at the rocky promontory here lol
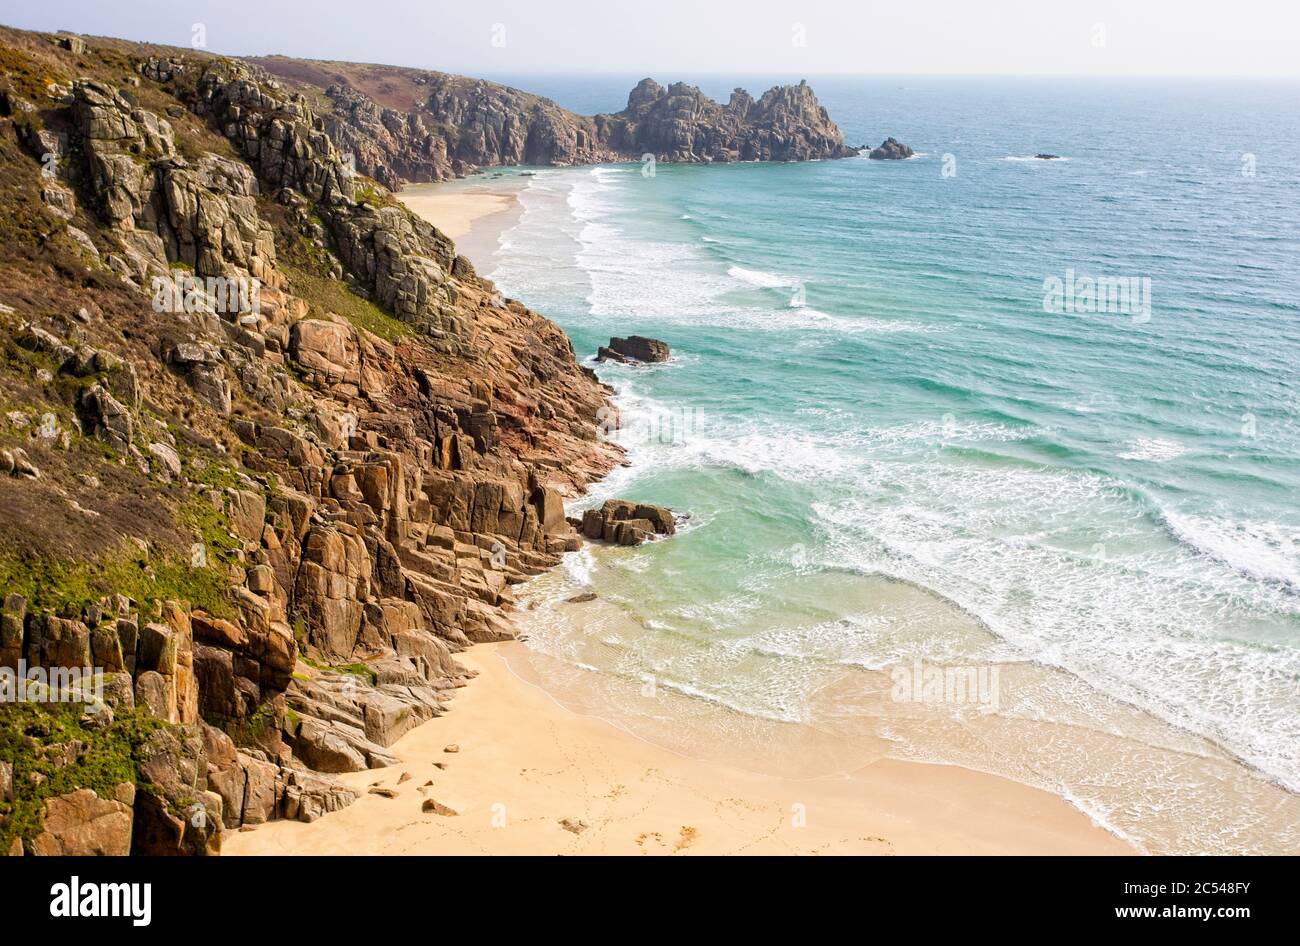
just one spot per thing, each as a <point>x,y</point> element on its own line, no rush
<point>680,123</point>
<point>412,125</point>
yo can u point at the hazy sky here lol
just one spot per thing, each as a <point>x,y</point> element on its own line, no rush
<point>663,37</point>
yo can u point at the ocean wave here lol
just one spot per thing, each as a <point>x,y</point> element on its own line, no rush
<point>762,279</point>
<point>1266,551</point>
<point>1128,615</point>
<point>1068,568</point>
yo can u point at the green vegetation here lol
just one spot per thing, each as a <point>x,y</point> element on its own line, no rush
<point>355,669</point>
<point>332,295</point>
<point>110,757</point>
<point>372,192</point>
<point>53,586</point>
<point>359,670</point>
<point>204,470</point>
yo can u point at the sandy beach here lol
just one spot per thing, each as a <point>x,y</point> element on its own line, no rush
<point>473,214</point>
<point>531,777</point>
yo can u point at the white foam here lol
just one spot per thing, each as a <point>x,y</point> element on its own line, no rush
<point>1143,625</point>
<point>1267,551</point>
<point>1152,450</point>
<point>1067,567</point>
<point>764,280</point>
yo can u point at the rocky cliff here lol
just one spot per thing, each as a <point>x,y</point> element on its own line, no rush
<point>411,125</point>
<point>271,453</point>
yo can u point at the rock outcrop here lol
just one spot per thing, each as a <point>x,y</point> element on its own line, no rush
<point>634,348</point>
<point>890,149</point>
<point>681,124</point>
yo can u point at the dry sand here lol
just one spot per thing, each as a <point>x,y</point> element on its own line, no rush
<point>473,215</point>
<point>526,766</point>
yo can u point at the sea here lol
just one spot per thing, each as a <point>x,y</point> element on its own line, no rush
<point>984,459</point>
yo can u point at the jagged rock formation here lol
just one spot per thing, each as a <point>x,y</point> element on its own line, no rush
<point>412,125</point>
<point>891,149</point>
<point>680,123</point>
<point>271,517</point>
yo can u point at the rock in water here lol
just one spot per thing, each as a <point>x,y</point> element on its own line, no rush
<point>621,522</point>
<point>1048,157</point>
<point>634,348</point>
<point>891,149</point>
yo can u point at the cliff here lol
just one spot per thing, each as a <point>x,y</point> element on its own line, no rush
<point>271,453</point>
<point>411,125</point>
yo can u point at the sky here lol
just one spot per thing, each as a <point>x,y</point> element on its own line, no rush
<point>804,37</point>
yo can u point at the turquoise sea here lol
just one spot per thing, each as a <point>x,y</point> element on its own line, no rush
<point>894,457</point>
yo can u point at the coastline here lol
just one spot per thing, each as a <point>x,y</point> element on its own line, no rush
<point>473,212</point>
<point>530,760</point>
<point>526,764</point>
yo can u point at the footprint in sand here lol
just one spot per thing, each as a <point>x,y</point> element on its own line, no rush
<point>687,837</point>
<point>647,836</point>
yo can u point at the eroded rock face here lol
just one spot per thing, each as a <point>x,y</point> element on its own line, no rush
<point>176,814</point>
<point>81,824</point>
<point>202,215</point>
<point>464,124</point>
